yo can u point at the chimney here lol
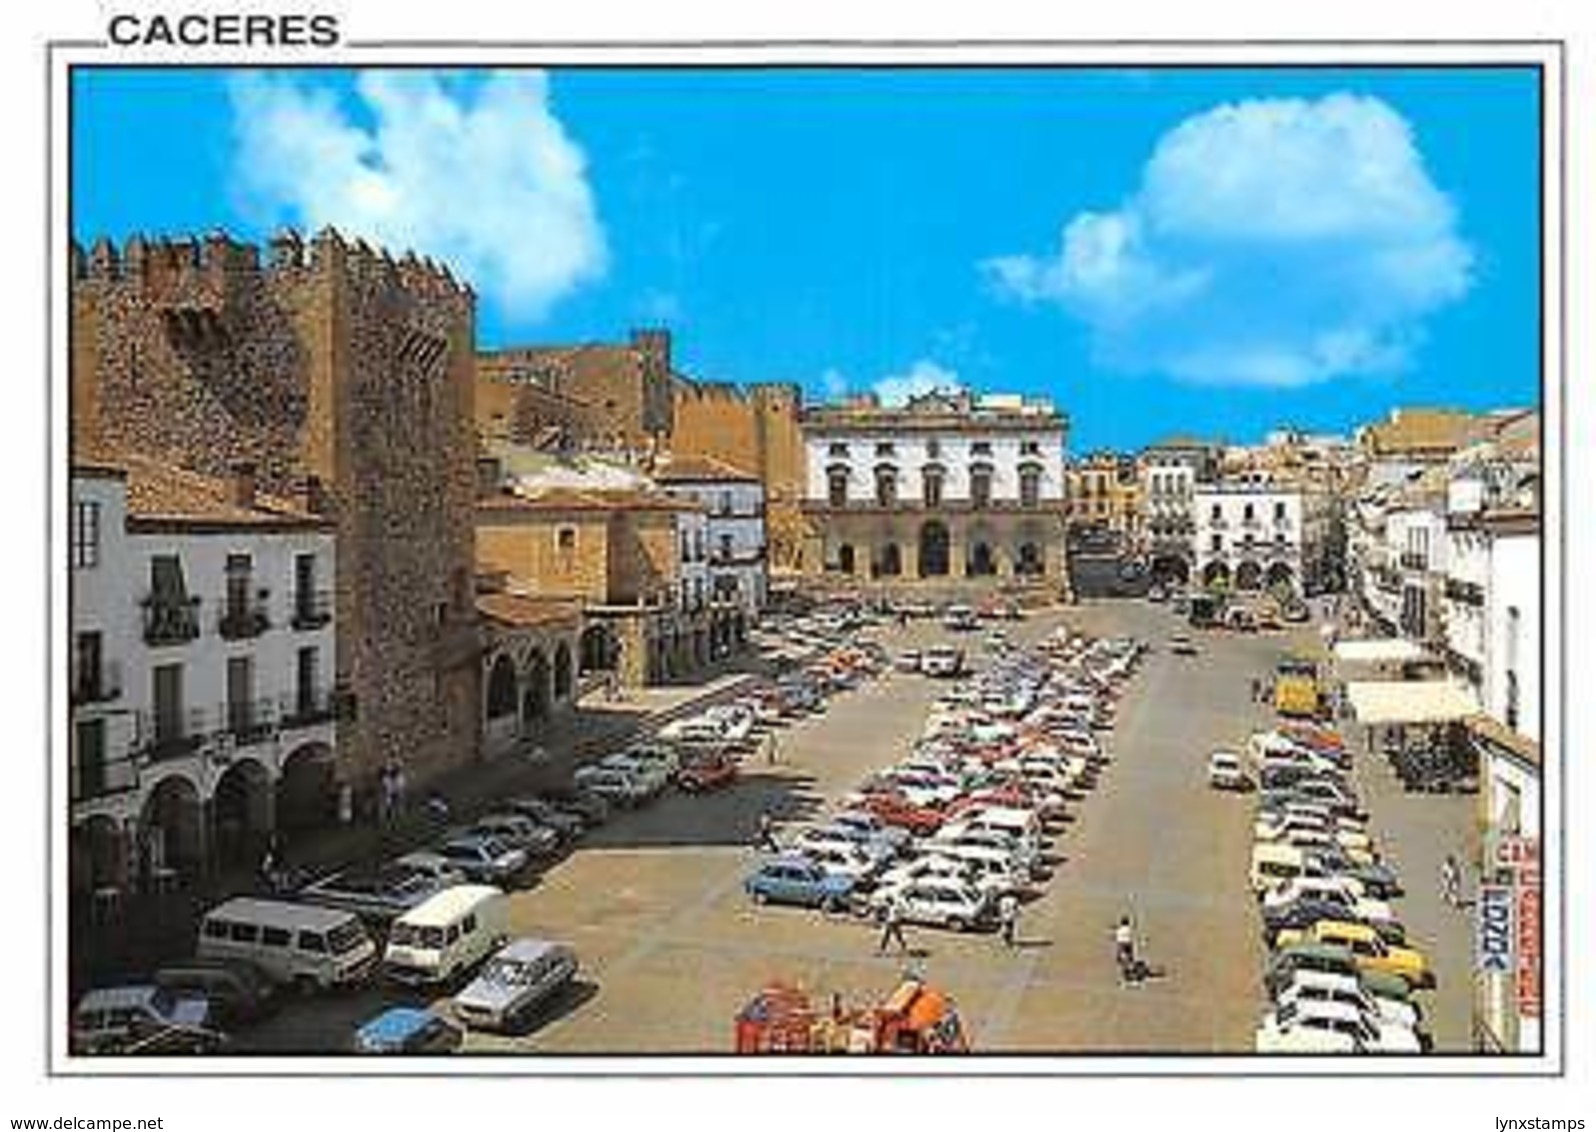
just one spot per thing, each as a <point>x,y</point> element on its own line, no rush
<point>244,484</point>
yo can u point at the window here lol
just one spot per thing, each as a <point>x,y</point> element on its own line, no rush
<point>565,538</point>
<point>1280,511</point>
<point>725,546</point>
<point>85,535</point>
<point>1214,513</point>
<point>305,678</point>
<point>275,937</point>
<point>238,569</point>
<point>725,503</point>
<point>240,693</point>
<point>839,450</point>
<point>88,679</point>
<point>167,682</point>
<point>885,448</point>
<point>244,933</point>
<point>931,480</point>
<point>981,448</point>
<point>1247,515</point>
<point>1030,486</point>
<point>933,449</point>
<point>981,486</point>
<point>837,487</point>
<point>310,941</point>
<point>886,487</point>
<point>1030,448</point>
<point>1216,543</point>
<point>216,929</point>
<point>91,757</point>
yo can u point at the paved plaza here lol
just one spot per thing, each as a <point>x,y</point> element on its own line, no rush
<point>671,947</point>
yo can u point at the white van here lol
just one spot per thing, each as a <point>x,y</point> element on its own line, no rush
<point>1023,825</point>
<point>447,935</point>
<point>302,945</point>
<point>1273,864</point>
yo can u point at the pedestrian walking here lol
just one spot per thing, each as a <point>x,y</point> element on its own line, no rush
<point>892,927</point>
<point>1257,687</point>
<point>1451,881</point>
<point>1125,949</point>
<point>1009,917</point>
<point>766,838</point>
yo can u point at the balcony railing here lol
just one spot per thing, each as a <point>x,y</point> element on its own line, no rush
<point>241,619</point>
<point>250,721</point>
<point>103,778</point>
<point>172,737</point>
<point>308,707</point>
<point>97,685</point>
<point>312,608</point>
<point>170,620</point>
<point>1413,561</point>
<point>1465,593</point>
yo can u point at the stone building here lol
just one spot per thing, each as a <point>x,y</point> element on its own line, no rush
<point>530,654</point>
<point>629,558</point>
<point>948,493</point>
<point>734,507</point>
<point>346,377</point>
<point>1259,533</point>
<point>203,652</point>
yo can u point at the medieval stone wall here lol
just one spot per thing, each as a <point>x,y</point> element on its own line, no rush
<point>330,361</point>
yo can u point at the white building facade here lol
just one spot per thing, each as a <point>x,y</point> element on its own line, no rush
<point>948,488</point>
<point>734,510</point>
<point>201,682</point>
<point>1258,536</point>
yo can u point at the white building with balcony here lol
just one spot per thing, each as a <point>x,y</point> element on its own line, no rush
<point>734,517</point>
<point>1254,534</point>
<point>201,679</point>
<point>948,488</point>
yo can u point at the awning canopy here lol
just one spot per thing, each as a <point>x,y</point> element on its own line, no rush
<point>1389,650</point>
<point>1376,702</point>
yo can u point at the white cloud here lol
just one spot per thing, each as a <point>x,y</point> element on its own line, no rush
<point>835,384</point>
<point>924,376</point>
<point>1273,242</point>
<point>478,174</point>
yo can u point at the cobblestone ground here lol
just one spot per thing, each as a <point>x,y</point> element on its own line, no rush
<point>671,947</point>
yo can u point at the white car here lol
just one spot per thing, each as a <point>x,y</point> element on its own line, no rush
<point>1225,772</point>
<point>1026,850</point>
<point>1280,827</point>
<point>651,776</point>
<point>1325,987</point>
<point>1371,1033</point>
<point>613,784</point>
<point>940,903</point>
<point>989,875</point>
<point>924,790</point>
<point>845,859</point>
<point>1336,890</point>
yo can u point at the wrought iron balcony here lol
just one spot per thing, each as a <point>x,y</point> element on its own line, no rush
<point>172,736</point>
<point>1465,593</point>
<point>97,685</point>
<point>1413,561</point>
<point>241,619</point>
<point>312,608</point>
<point>310,707</point>
<point>250,721</point>
<point>170,620</point>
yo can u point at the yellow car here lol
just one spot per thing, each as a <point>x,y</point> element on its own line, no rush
<point>1369,951</point>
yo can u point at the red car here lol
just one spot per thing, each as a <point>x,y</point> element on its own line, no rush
<point>894,809</point>
<point>709,773</point>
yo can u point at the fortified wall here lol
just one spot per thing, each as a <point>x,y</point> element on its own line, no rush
<point>346,376</point>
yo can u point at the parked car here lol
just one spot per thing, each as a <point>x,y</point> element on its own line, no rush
<point>524,974</point>
<point>896,810</point>
<point>1369,951</point>
<point>519,830</point>
<point>1396,1009</point>
<point>707,772</point>
<point>1372,1034</point>
<point>942,903</point>
<point>120,1019</point>
<point>862,825</point>
<point>649,774</point>
<point>797,880</point>
<point>484,860</point>
<point>567,824</point>
<point>237,991</point>
<point>592,809</point>
<point>1305,911</point>
<point>943,661</point>
<point>1180,644</point>
<point>407,1029</point>
<point>617,786</point>
<point>1336,887</point>
<point>1225,771</point>
<point>908,660</point>
<point>375,894</point>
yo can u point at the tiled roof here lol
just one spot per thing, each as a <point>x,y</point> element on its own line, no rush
<point>702,469</point>
<point>527,611</point>
<point>161,493</point>
<point>1488,727</point>
<point>569,499</point>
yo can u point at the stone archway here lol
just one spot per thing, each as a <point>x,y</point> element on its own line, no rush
<point>1249,575</point>
<point>596,649</point>
<point>1216,574</point>
<point>1280,576</point>
<point>935,546</point>
<point>307,791</point>
<point>982,562</point>
<point>501,688</point>
<point>171,832</point>
<point>242,812</point>
<point>889,560</point>
<point>845,558</point>
<point>1171,569</point>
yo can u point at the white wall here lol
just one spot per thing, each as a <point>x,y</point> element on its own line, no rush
<point>954,454</point>
<point>1515,583</point>
<point>735,510</point>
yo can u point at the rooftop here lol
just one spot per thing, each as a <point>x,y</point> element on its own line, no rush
<point>527,610</point>
<point>160,493</point>
<point>702,469</point>
<point>1424,431</point>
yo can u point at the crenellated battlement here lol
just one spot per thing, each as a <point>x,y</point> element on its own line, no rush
<point>188,264</point>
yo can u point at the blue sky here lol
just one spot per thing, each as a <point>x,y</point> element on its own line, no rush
<point>1211,251</point>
